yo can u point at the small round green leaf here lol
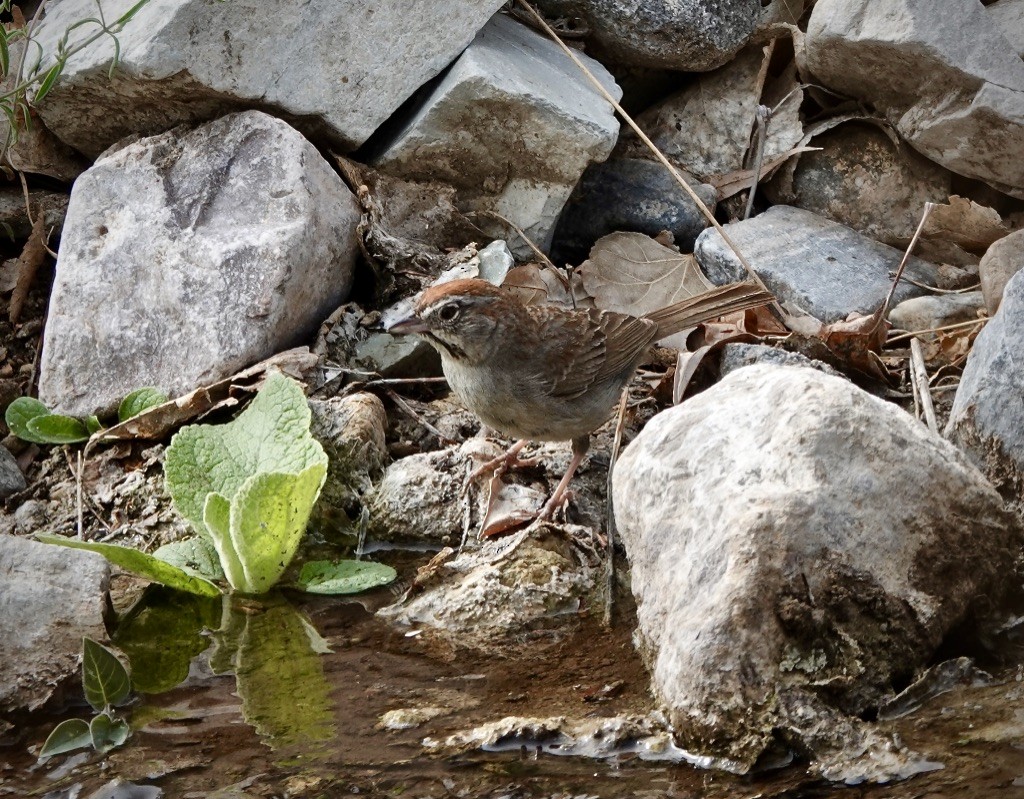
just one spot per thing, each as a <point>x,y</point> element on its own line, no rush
<point>343,577</point>
<point>57,429</point>
<point>92,424</point>
<point>140,400</point>
<point>20,413</point>
<point>105,680</point>
<point>108,733</point>
<point>66,737</point>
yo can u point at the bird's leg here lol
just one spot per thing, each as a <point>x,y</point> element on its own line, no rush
<point>579,450</point>
<point>509,460</point>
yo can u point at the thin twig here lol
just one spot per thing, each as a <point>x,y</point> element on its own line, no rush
<point>404,406</point>
<point>937,290</point>
<point>536,250</point>
<point>943,329</point>
<point>403,381</point>
<point>919,373</point>
<point>884,309</point>
<point>609,567</point>
<point>764,118</point>
<point>658,154</point>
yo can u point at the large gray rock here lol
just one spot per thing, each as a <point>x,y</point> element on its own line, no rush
<point>1008,17</point>
<point>687,35</point>
<point>969,113</point>
<point>1001,261</point>
<point>190,255</point>
<point>50,597</point>
<point>987,418</point>
<point>512,125</point>
<point>335,67</point>
<point>861,179</point>
<point>798,547</point>
<point>810,263</point>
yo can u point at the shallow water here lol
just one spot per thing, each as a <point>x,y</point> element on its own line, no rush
<point>262,712</point>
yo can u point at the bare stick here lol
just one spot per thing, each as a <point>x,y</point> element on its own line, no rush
<point>764,118</point>
<point>920,374</point>
<point>881,312</point>
<point>404,406</point>
<point>609,562</point>
<point>78,498</point>
<point>943,329</point>
<point>651,146</point>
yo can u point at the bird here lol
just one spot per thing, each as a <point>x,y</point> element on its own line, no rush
<point>547,372</point>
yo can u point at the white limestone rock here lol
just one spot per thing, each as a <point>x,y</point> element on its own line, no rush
<point>190,255</point>
<point>333,67</point>
<point>512,126</point>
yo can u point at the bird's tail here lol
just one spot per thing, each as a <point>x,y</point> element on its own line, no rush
<point>709,305</point>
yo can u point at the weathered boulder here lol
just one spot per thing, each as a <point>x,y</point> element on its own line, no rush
<point>190,255</point>
<point>187,62</point>
<point>631,194</point>
<point>967,116</point>
<point>512,125</point>
<point>810,263</point>
<point>862,179</point>
<point>936,310</point>
<point>50,597</point>
<point>687,35</point>
<point>494,596</point>
<point>1001,261</point>
<point>987,418</point>
<point>784,570</point>
<point>1008,17</point>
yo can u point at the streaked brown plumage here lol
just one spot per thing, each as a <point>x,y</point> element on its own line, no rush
<point>543,372</point>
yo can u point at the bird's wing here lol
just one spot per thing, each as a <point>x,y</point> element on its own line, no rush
<point>595,345</point>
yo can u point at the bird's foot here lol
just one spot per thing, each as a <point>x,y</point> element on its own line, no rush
<point>496,467</point>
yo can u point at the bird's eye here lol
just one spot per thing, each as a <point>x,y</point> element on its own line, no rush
<point>449,313</point>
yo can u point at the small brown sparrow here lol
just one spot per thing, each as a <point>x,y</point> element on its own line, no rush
<point>544,372</point>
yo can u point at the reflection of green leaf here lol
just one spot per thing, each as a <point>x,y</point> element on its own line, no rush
<point>250,484</point>
<point>108,733</point>
<point>196,556</point>
<point>280,679</point>
<point>66,737</point>
<point>57,429</point>
<point>162,633</point>
<point>141,564</point>
<point>343,577</point>
<point>105,680</point>
<point>19,413</point>
<point>140,400</point>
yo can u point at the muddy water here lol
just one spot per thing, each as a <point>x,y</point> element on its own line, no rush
<point>264,710</point>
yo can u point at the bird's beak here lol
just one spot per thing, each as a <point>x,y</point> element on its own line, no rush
<point>410,324</point>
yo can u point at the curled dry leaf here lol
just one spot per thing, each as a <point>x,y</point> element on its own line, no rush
<point>156,422</point>
<point>965,223</point>
<point>534,284</point>
<point>631,273</point>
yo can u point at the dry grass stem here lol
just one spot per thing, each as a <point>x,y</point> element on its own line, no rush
<point>405,408</point>
<point>652,147</point>
<point>919,377</point>
<point>957,326</point>
<point>884,309</point>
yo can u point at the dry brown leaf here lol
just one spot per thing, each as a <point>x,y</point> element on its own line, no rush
<point>631,273</point>
<point>536,284</point>
<point>32,257</point>
<point>965,223</point>
<point>733,183</point>
<point>156,422</point>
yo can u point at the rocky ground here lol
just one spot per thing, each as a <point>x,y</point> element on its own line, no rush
<point>817,503</point>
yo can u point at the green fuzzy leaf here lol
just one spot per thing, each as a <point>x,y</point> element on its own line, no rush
<point>66,737</point>
<point>140,400</point>
<point>250,484</point>
<point>268,518</point>
<point>20,412</point>
<point>141,564</point>
<point>105,680</point>
<point>108,733</point>
<point>92,424</point>
<point>195,556</point>
<point>54,428</point>
<point>48,80</point>
<point>343,577</point>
